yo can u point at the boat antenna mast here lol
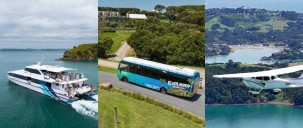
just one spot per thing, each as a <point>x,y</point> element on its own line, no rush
<point>41,62</point>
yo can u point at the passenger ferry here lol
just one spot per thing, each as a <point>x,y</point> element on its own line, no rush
<point>64,84</point>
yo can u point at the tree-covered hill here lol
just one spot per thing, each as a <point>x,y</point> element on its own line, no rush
<point>179,41</point>
<point>82,52</point>
<point>233,26</point>
<point>174,36</point>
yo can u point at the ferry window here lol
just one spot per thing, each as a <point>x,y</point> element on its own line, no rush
<point>123,66</point>
<point>259,78</point>
<point>20,77</point>
<point>33,71</point>
<point>266,78</point>
<point>48,84</point>
<point>43,71</point>
<point>36,81</point>
<point>273,77</point>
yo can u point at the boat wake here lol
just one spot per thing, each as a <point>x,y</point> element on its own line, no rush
<point>87,108</point>
<point>95,97</point>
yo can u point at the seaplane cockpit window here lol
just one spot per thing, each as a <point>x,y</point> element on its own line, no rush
<point>266,78</point>
<point>259,78</point>
<point>273,77</point>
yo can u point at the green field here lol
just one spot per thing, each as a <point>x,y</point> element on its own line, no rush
<point>216,21</point>
<point>109,70</point>
<point>264,26</point>
<point>276,25</point>
<point>118,37</point>
<point>133,113</point>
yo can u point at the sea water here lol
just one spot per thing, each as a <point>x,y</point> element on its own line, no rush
<point>254,116</point>
<point>21,107</point>
<point>245,55</point>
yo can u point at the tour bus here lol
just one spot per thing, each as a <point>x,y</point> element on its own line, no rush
<point>164,78</point>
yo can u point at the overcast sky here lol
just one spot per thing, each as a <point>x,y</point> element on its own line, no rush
<point>147,4</point>
<point>282,5</point>
<point>47,23</point>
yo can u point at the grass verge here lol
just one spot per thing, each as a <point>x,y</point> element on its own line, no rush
<point>136,111</point>
<point>109,70</point>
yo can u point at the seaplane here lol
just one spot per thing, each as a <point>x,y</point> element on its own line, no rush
<point>268,79</point>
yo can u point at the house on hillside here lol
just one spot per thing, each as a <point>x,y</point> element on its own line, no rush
<point>136,16</point>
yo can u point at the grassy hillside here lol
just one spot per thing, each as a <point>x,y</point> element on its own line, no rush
<point>82,52</point>
<point>133,113</point>
<point>118,37</point>
<point>273,24</point>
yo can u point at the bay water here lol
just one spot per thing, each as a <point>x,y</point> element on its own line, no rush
<point>21,107</point>
<point>254,116</point>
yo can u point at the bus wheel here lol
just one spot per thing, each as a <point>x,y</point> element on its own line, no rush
<point>125,79</point>
<point>163,90</point>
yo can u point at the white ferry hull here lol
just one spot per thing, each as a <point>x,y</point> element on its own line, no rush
<point>41,90</point>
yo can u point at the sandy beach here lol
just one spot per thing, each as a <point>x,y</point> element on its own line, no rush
<point>257,46</point>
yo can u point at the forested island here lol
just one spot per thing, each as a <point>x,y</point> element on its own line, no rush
<point>175,36</point>
<point>30,49</point>
<point>82,52</point>
<point>233,91</point>
<point>249,26</point>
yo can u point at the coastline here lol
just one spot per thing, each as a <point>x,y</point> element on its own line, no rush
<point>257,46</point>
<point>68,59</point>
<point>235,48</point>
<point>268,103</point>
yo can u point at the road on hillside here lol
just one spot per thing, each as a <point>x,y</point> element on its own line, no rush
<point>122,52</point>
<point>195,105</point>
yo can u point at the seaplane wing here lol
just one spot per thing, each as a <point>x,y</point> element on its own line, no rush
<point>273,72</point>
<point>295,86</point>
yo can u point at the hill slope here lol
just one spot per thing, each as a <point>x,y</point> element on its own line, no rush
<point>82,52</point>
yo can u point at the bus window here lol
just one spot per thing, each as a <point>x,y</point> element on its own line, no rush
<point>173,78</point>
<point>123,66</point>
<point>155,74</point>
<point>132,68</point>
<point>163,75</point>
<point>143,71</point>
<point>183,80</point>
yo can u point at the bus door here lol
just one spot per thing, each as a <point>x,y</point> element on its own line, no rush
<point>132,69</point>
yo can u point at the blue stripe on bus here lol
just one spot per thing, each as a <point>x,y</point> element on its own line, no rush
<point>149,82</point>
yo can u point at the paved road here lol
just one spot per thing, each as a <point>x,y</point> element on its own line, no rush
<point>108,64</point>
<point>114,65</point>
<point>194,105</point>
